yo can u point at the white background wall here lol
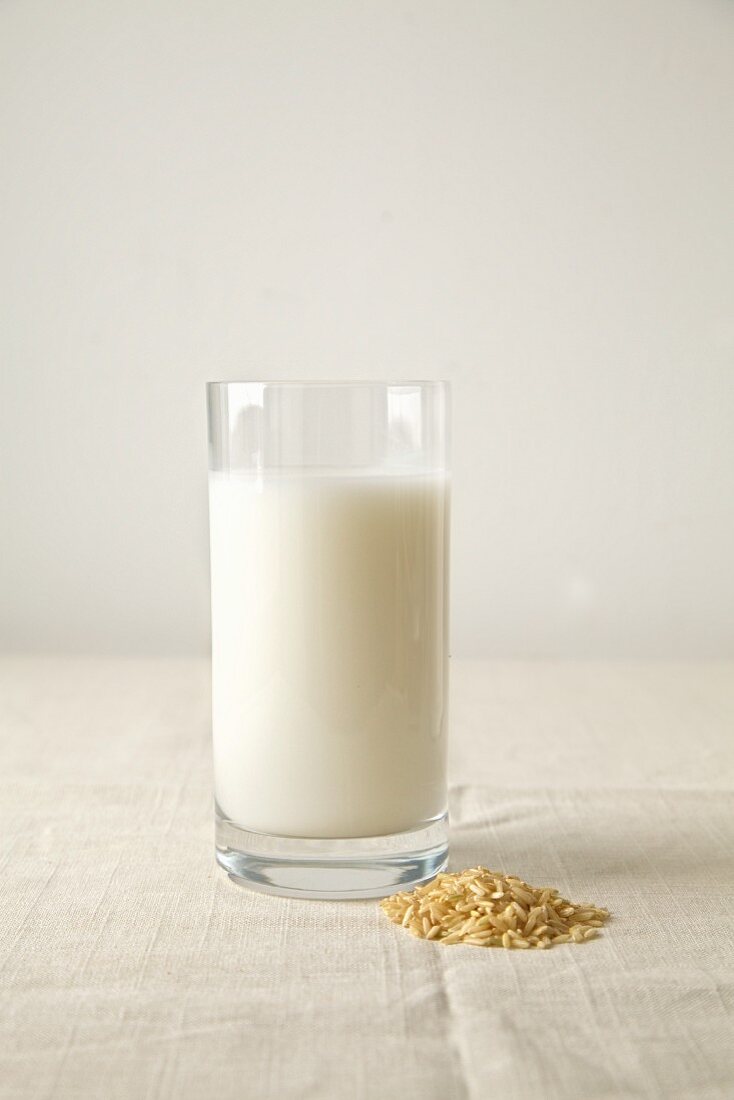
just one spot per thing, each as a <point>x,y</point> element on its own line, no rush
<point>532,199</point>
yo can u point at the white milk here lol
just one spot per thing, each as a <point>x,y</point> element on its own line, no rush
<point>329,619</point>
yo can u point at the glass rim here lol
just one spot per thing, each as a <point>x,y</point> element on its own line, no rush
<point>388,383</point>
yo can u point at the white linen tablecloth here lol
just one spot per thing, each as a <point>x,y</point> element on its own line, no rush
<point>131,967</point>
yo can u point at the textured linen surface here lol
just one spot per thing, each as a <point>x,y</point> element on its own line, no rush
<point>131,967</point>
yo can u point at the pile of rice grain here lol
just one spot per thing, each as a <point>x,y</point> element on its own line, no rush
<point>489,909</point>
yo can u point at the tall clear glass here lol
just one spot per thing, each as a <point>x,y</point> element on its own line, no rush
<point>329,524</point>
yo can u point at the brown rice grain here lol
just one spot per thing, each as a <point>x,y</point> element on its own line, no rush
<point>487,909</point>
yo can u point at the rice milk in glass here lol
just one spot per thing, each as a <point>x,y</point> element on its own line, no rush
<point>329,527</point>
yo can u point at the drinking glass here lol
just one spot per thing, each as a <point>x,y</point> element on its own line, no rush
<point>329,527</point>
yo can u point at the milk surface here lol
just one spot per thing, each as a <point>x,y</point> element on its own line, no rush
<point>329,630</point>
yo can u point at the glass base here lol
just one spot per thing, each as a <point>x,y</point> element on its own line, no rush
<point>362,867</point>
